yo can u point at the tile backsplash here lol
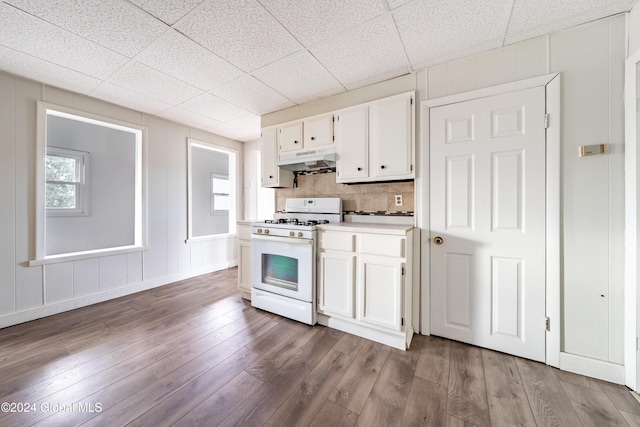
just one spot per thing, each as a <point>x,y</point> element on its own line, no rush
<point>374,196</point>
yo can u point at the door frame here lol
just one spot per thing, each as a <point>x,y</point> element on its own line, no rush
<point>551,82</point>
<point>631,240</point>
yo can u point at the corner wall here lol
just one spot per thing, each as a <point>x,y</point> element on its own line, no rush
<point>26,292</point>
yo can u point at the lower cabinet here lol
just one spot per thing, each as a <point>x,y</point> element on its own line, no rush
<point>244,260</point>
<point>365,288</point>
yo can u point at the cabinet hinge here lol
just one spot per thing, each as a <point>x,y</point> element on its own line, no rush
<point>411,168</point>
<point>338,118</point>
<point>547,324</point>
<point>403,271</point>
<point>411,101</point>
<point>333,138</point>
<point>402,321</point>
<point>333,119</point>
<point>546,121</point>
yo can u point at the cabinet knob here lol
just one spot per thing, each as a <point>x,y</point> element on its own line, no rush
<point>295,142</point>
<point>381,166</point>
<point>359,168</point>
<point>313,138</point>
<point>270,176</point>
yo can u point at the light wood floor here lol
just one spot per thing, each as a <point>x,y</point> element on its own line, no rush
<point>194,353</point>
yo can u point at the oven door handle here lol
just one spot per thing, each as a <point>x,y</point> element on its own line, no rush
<point>290,240</point>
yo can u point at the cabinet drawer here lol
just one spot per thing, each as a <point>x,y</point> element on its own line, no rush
<point>376,244</point>
<point>336,241</point>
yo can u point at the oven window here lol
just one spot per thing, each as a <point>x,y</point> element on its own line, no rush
<point>281,271</point>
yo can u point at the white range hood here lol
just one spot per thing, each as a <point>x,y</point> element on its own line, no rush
<point>309,160</point>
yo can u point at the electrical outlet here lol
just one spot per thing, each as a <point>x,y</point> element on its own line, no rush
<point>398,198</point>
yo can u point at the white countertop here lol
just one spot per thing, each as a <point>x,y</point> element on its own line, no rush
<point>367,227</point>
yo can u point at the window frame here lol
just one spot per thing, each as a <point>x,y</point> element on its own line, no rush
<point>214,209</point>
<point>82,159</point>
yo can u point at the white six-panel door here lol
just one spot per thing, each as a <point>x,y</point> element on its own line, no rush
<point>487,186</point>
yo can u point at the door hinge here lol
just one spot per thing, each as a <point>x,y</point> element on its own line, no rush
<point>546,121</point>
<point>547,324</point>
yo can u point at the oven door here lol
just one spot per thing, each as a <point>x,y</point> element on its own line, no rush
<point>283,266</point>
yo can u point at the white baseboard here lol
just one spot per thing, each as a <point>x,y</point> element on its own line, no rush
<point>62,306</point>
<point>397,340</point>
<point>600,369</point>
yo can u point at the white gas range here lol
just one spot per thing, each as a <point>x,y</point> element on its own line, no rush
<point>284,257</point>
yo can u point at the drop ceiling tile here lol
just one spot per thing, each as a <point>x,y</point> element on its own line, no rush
<point>318,20</point>
<point>252,95</point>
<point>176,55</point>
<point>249,124</point>
<point>240,31</point>
<point>115,24</point>
<point>531,19</point>
<point>168,11</point>
<point>127,98</point>
<point>434,31</point>
<point>42,71</point>
<point>32,36</point>
<point>141,79</point>
<point>366,54</point>
<point>299,77</point>
<point>394,4</point>
<point>186,117</point>
<point>214,108</point>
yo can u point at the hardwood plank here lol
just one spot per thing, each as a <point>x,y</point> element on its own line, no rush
<point>332,414</point>
<point>433,364</point>
<point>197,394</point>
<point>508,403</point>
<point>593,407</point>
<point>581,380</point>
<point>307,399</point>
<point>427,404</point>
<point>353,390</point>
<point>261,405</point>
<point>467,391</point>
<point>219,405</point>
<point>620,396</point>
<point>268,365</point>
<point>632,419</point>
<point>549,403</point>
<point>350,344</point>
<point>386,403</point>
<point>457,422</point>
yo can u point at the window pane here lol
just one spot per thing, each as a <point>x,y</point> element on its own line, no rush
<point>220,185</point>
<point>60,169</point>
<point>221,202</point>
<point>61,196</point>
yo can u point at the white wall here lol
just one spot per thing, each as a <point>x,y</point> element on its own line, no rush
<point>591,60</point>
<point>111,196</point>
<point>30,292</point>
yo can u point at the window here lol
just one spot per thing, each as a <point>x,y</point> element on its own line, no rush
<point>220,193</point>
<point>212,193</point>
<point>65,172</point>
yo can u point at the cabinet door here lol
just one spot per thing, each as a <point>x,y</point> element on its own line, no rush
<point>271,174</point>
<point>336,283</point>
<point>318,131</point>
<point>244,267</point>
<point>391,142</point>
<point>352,152</point>
<point>291,137</point>
<point>380,292</point>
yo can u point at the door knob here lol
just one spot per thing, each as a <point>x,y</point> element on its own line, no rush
<point>438,240</point>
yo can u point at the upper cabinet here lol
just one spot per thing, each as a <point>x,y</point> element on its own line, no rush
<point>375,141</point>
<point>316,131</point>
<point>272,175</point>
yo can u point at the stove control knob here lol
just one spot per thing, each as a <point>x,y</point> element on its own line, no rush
<point>299,233</point>
<point>259,230</point>
<point>266,231</point>
<point>291,234</point>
